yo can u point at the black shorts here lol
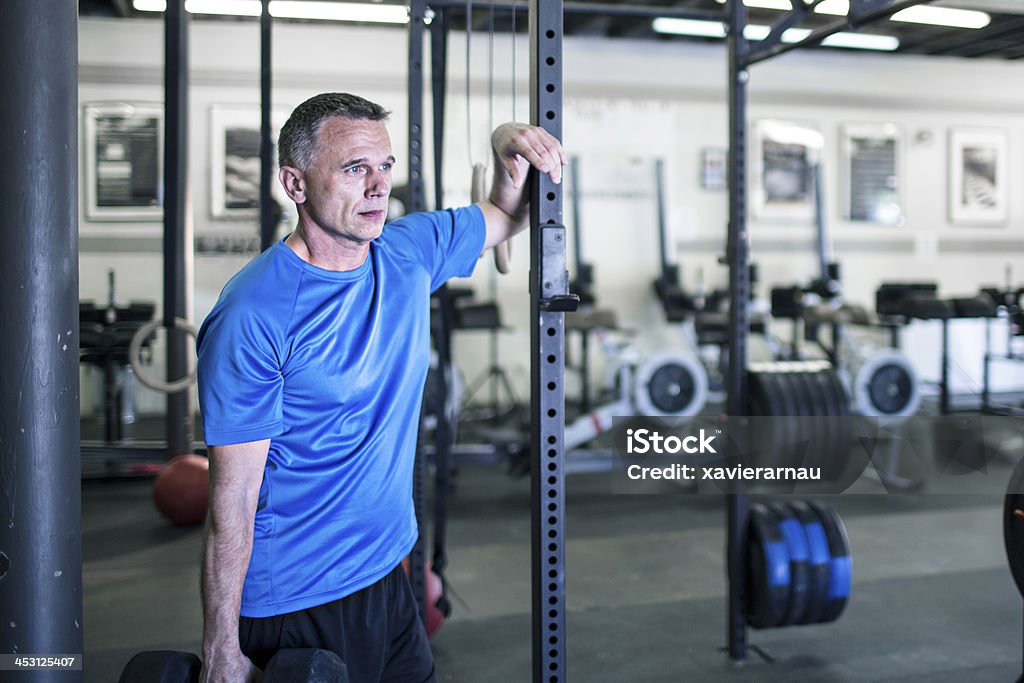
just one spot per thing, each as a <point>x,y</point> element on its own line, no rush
<point>377,632</point>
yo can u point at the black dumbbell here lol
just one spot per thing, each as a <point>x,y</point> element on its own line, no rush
<point>287,666</point>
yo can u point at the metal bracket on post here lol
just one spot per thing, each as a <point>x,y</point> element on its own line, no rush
<point>554,277</point>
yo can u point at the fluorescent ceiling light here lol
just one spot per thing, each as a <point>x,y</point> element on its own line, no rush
<point>290,9</point>
<point>943,16</point>
<point>862,41</point>
<point>919,14</point>
<point>339,11</point>
<point>689,27</point>
<point>716,29</point>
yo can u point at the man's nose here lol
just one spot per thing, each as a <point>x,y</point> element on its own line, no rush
<point>378,184</point>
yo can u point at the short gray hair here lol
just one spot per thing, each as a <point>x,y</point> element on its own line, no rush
<point>297,143</point>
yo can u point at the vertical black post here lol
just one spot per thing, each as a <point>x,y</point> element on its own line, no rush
<point>40,462</point>
<point>417,202</point>
<point>445,432</point>
<point>986,360</point>
<point>549,285</point>
<point>944,372</point>
<point>577,228</point>
<point>584,279</point>
<point>663,246</point>
<point>738,256</point>
<point>177,238</point>
<point>267,214</point>
<point>821,229</point>
<point>439,29</point>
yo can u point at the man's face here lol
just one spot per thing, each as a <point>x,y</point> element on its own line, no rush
<point>349,179</point>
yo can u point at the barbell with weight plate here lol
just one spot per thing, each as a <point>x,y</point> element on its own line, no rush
<point>798,563</point>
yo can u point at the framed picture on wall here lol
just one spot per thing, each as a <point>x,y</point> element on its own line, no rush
<point>122,161</point>
<point>235,161</point>
<point>714,168</point>
<point>978,183</point>
<point>872,173</point>
<point>785,156</point>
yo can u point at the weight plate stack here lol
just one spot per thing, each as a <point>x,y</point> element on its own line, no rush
<point>799,567</point>
<point>840,564</point>
<point>768,566</point>
<point>818,560</point>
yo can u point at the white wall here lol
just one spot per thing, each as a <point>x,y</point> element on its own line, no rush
<point>623,100</point>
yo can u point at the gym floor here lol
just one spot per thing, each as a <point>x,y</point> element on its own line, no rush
<point>932,596</point>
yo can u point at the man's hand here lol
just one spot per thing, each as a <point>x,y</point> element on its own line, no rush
<point>229,669</point>
<point>516,144</point>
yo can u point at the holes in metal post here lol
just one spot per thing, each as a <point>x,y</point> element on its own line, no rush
<point>550,116</point>
<point>552,386</point>
<point>551,196</point>
<point>552,358</point>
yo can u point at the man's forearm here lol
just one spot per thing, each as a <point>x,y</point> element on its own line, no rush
<point>226,554</point>
<point>514,201</point>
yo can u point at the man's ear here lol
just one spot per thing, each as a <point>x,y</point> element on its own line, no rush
<point>293,182</point>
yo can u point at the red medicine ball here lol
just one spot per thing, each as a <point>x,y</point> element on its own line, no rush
<point>181,491</point>
<point>434,618</point>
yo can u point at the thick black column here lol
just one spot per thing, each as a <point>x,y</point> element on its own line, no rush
<point>40,465</point>
<point>177,237</point>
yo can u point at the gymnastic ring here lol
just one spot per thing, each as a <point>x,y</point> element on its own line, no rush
<point>135,348</point>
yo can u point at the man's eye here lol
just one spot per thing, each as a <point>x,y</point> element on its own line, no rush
<point>386,166</point>
<point>355,170</point>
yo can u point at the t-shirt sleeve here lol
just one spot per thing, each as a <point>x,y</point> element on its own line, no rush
<point>447,242</point>
<point>239,373</point>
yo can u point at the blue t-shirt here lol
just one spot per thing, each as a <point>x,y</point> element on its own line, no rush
<point>330,367</point>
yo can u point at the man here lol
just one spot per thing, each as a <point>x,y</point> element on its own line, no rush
<point>311,371</point>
